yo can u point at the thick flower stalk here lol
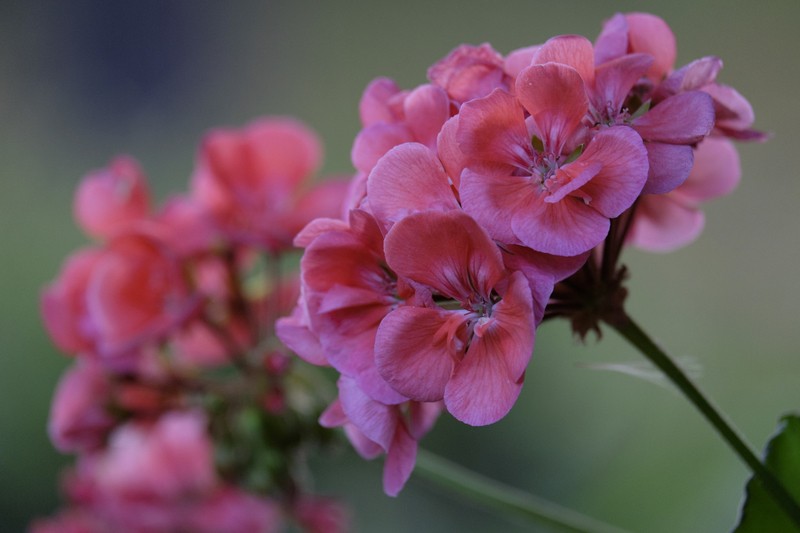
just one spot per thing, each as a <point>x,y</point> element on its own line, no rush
<point>185,411</point>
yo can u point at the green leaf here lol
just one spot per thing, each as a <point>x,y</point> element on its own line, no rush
<point>760,513</point>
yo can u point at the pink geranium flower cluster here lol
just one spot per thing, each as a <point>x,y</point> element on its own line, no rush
<point>476,194</point>
<point>176,404</point>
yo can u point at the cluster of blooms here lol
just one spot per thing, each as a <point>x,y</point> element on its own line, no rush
<point>480,191</point>
<point>184,410</point>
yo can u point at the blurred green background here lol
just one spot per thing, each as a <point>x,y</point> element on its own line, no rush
<point>81,81</point>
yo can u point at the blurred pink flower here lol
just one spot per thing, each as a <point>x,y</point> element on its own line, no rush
<point>109,199</point>
<point>254,182</point>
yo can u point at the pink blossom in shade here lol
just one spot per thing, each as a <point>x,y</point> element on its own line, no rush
<point>63,303</point>
<point>517,60</point>
<point>665,222</point>
<point>544,199</point>
<point>638,33</point>
<point>419,118</point>
<point>472,352</point>
<point>137,293</point>
<point>374,428</point>
<point>252,180</point>
<point>469,72</point>
<point>109,199</point>
<point>347,290</point>
<point>79,415</point>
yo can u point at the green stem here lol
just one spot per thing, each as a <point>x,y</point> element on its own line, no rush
<point>504,498</point>
<point>636,336</point>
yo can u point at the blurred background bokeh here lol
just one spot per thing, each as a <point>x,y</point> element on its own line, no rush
<point>81,81</point>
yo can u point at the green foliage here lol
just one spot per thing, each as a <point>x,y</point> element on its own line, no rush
<point>760,513</point>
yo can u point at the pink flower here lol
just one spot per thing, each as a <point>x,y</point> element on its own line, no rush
<point>107,200</point>
<point>231,510</point>
<point>322,515</point>
<point>136,294</point>
<point>665,222</point>
<point>470,72</point>
<point>347,290</point>
<point>545,197</point>
<point>470,350</point>
<point>253,182</point>
<point>79,414</point>
<point>63,303</point>
<point>393,117</point>
<point>638,33</point>
<point>374,428</point>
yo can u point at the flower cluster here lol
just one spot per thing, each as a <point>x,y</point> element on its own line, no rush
<point>476,194</point>
<point>185,411</point>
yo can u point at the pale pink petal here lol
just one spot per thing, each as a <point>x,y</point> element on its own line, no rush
<point>612,41</point>
<point>511,330</point>
<point>366,448</point>
<point>568,227</point>
<point>416,349</point>
<point>663,224</point>
<point>493,200</point>
<point>483,387</point>
<point>570,178</point>
<point>447,251</point>
<point>670,165</point>
<point>519,59</point>
<point>63,303</point>
<point>408,179</point>
<point>651,35</point>
<point>733,111</point>
<point>374,105</point>
<point>493,129</point>
<point>377,421</point>
<point>690,77</point>
<point>624,170</point>
<point>685,118</point>
<point>716,172</point>
<point>325,199</point>
<point>573,50</point>
<point>282,147</point>
<point>422,416</point>
<point>452,158</point>
<point>426,108</point>
<point>317,227</point>
<point>374,141</point>
<point>400,461</point>
<point>295,333</point>
<point>555,96</point>
<point>469,72</point>
<point>333,416</point>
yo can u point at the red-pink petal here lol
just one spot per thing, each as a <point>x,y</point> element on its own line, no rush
<point>408,179</point>
<point>374,141</point>
<point>493,199</point>
<point>612,41</point>
<point>422,416</point>
<point>573,50</point>
<point>452,158</point>
<point>375,103</point>
<point>377,421</point>
<point>651,35</point>
<point>716,172</point>
<point>426,108</point>
<point>518,59</point>
<point>447,251</point>
<point>493,129</point>
<point>555,96</point>
<point>416,349</point>
<point>614,79</point>
<point>663,224</point>
<point>568,227</point>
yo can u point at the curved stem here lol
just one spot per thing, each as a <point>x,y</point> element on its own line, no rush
<point>504,498</point>
<point>636,336</point>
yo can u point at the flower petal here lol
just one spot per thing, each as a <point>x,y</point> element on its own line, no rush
<point>573,50</point>
<point>400,461</point>
<point>670,165</point>
<point>685,118</point>
<point>416,349</point>
<point>555,96</point>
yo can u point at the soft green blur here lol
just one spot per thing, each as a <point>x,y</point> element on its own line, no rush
<point>82,81</point>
